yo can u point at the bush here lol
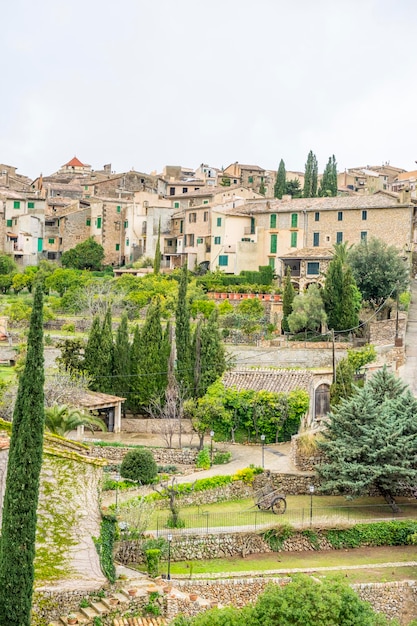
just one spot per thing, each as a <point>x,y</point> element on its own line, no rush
<point>69,327</point>
<point>139,465</point>
<point>220,458</point>
<point>152,562</point>
<point>203,459</point>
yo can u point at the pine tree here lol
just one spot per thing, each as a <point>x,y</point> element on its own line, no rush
<point>371,440</point>
<point>157,259</point>
<point>287,300</point>
<point>209,355</point>
<point>183,337</point>
<point>121,363</point>
<point>310,176</point>
<point>281,181</point>
<point>17,547</point>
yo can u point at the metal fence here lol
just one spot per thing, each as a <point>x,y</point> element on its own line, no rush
<point>206,522</point>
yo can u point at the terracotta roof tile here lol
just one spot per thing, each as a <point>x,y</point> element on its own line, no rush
<point>74,163</point>
<point>269,380</point>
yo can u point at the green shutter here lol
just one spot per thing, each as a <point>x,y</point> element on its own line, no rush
<point>16,204</point>
<point>293,240</point>
<point>217,241</point>
<point>88,222</point>
<point>273,245</point>
<point>117,247</point>
<point>40,244</point>
<point>119,208</point>
<point>9,223</point>
<point>51,240</point>
<point>127,242</point>
<point>252,225</point>
<point>223,260</point>
<point>99,222</point>
<point>294,220</point>
<point>219,221</point>
<point>176,205</point>
<point>31,205</point>
<point>271,262</point>
<point>126,224</point>
<point>273,221</point>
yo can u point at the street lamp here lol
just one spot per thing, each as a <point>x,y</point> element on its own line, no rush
<point>263,450</point>
<point>311,490</point>
<point>211,446</point>
<point>169,538</point>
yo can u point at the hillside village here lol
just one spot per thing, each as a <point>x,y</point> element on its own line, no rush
<point>219,406</point>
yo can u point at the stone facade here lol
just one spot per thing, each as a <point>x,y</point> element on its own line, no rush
<point>162,456</point>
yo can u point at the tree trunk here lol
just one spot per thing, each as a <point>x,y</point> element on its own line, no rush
<point>389,499</point>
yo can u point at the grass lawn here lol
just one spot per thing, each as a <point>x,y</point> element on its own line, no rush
<point>373,558</point>
<point>7,373</point>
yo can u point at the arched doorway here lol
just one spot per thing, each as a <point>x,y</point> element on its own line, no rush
<point>321,401</point>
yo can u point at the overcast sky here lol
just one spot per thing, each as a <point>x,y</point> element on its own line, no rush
<point>144,83</point>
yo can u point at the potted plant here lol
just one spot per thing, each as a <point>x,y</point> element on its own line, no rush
<point>132,592</point>
<point>114,601</point>
<point>72,618</point>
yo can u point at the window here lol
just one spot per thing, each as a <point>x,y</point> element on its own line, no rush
<point>169,243</point>
<point>205,216</point>
<point>51,240</point>
<point>250,179</point>
<point>316,216</point>
<point>172,191</point>
<point>176,205</point>
<point>271,262</point>
<point>117,247</point>
<point>294,220</point>
<point>185,190</point>
<point>181,226</point>
<point>217,241</point>
<point>223,260</point>
<point>364,215</point>
<point>16,204</point>
<point>88,222</point>
<point>40,244</point>
<point>31,205</point>
<point>192,217</point>
<point>9,223</point>
<point>364,235</point>
<point>340,216</point>
<point>316,239</point>
<point>190,239</point>
<point>85,187</point>
<point>125,224</point>
<point>127,242</point>
<point>205,201</point>
<point>118,208</point>
<point>252,225</point>
<point>293,240</point>
<point>273,244</point>
<point>219,221</point>
<point>273,221</point>
<point>199,240</point>
<point>313,267</point>
<point>98,222</point>
<point>339,237</point>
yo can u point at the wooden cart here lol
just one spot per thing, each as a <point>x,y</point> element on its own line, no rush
<point>269,498</point>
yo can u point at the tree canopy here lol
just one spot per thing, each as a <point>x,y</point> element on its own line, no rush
<point>307,311</point>
<point>281,181</point>
<point>328,184</point>
<point>341,296</point>
<point>87,255</point>
<point>310,176</point>
<point>379,270</point>
<point>371,440</point>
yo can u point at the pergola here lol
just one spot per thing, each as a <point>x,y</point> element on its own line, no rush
<point>97,401</point>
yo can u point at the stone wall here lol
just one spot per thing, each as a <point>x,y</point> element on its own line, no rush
<point>162,456</point>
<point>153,426</point>
<point>382,332</point>
<point>299,458</point>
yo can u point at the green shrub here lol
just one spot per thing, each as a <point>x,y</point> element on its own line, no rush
<point>152,562</point>
<point>275,537</point>
<point>104,546</point>
<point>139,465</point>
<point>69,327</point>
<point>167,469</point>
<point>220,458</point>
<point>203,459</point>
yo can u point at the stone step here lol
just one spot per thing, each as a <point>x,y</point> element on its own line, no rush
<point>80,617</point>
<point>89,612</point>
<point>99,607</point>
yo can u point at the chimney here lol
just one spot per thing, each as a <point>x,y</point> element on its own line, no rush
<point>404,196</point>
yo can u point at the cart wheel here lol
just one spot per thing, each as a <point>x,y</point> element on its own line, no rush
<point>279,506</point>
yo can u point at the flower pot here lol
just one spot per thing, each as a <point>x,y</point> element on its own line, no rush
<point>72,620</point>
<point>193,597</point>
<point>167,589</point>
<point>132,592</point>
<point>114,601</point>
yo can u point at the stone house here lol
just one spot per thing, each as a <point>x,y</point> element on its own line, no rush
<point>22,224</point>
<point>251,176</point>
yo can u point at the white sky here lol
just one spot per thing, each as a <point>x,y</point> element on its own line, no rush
<point>144,83</point>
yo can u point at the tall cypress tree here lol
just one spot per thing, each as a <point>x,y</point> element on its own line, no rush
<point>107,354</point>
<point>91,354</point>
<point>134,366</point>
<point>183,336</point>
<point>121,360</point>
<point>17,548</point>
<point>328,185</point>
<point>209,355</point>
<point>287,300</point>
<point>310,176</point>
<point>280,186</point>
<point>341,297</point>
<point>98,354</point>
<point>157,259</point>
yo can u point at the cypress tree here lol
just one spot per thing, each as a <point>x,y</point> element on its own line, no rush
<point>281,181</point>
<point>310,176</point>
<point>157,259</point>
<point>287,300</point>
<point>134,355</point>
<point>183,337</point>
<point>209,354</point>
<point>328,185</point>
<point>17,548</point>
<point>92,352</point>
<point>121,363</point>
<point>106,353</point>
<point>341,297</point>
<point>98,355</point>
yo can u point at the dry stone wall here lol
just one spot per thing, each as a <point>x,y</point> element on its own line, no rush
<point>162,456</point>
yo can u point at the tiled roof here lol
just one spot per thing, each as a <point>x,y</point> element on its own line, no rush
<point>74,163</point>
<point>309,253</point>
<point>268,380</point>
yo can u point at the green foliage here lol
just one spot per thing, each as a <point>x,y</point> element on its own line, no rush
<point>87,255</point>
<point>307,311</point>
<point>72,355</point>
<point>281,181</point>
<point>184,368</point>
<point>68,327</point>
<point>139,465</point>
<point>121,361</point>
<point>21,281</point>
<point>275,537</point>
<point>394,533</point>
<point>84,603</point>
<point>371,440</point>
<point>17,548</point>
<point>61,280</point>
<point>205,307</point>
<point>153,557</point>
<point>287,300</point>
<point>328,184</point>
<point>152,607</point>
<point>203,459</point>
<point>404,300</point>
<point>247,474</point>
<point>342,298</point>
<point>209,358</point>
<point>6,281</point>
<point>310,176</point>
<point>62,419</point>
<point>7,264</point>
<point>215,280</point>
<point>104,546</point>
<point>379,270</point>
<point>157,259</point>
<point>221,458</point>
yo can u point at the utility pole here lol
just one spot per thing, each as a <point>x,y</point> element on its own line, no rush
<point>333,357</point>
